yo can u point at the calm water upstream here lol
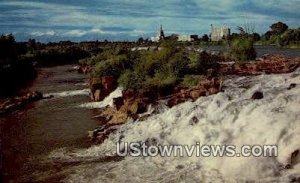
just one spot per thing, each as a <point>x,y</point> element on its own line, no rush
<point>28,137</point>
<point>261,50</point>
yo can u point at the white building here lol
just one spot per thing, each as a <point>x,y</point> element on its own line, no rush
<point>218,33</point>
<point>184,38</point>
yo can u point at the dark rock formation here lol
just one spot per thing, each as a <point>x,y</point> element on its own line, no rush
<point>118,102</point>
<point>102,87</point>
<point>204,88</point>
<point>100,134</point>
<point>84,69</point>
<point>292,85</point>
<point>257,95</point>
<point>17,103</point>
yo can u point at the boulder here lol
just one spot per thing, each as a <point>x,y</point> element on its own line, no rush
<point>118,102</point>
<point>34,96</point>
<point>129,95</point>
<point>101,87</point>
<point>118,118</point>
<point>194,121</point>
<point>108,83</point>
<point>295,157</point>
<point>257,95</point>
<point>100,134</point>
<point>292,85</point>
<point>97,95</point>
<point>213,90</point>
<point>195,94</point>
<point>83,69</point>
<point>20,102</point>
<point>95,84</point>
<point>137,107</point>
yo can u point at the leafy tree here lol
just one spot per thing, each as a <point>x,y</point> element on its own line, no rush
<point>279,27</point>
<point>140,41</point>
<point>205,38</point>
<point>8,51</point>
<point>14,71</point>
<point>255,36</point>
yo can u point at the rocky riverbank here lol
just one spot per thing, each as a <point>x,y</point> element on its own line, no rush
<point>134,103</point>
<point>267,64</point>
<point>20,102</point>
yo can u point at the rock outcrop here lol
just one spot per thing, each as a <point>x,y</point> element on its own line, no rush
<point>204,88</point>
<point>17,103</point>
<point>257,95</point>
<point>84,69</point>
<point>268,64</point>
<point>102,87</point>
<point>133,103</point>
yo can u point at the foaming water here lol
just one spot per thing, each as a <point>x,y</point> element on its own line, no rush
<point>231,117</point>
<point>69,93</point>
<point>108,101</point>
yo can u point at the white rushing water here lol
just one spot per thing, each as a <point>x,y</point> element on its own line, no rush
<point>231,117</point>
<point>108,101</point>
<point>69,93</point>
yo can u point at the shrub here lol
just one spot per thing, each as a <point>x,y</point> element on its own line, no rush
<point>242,49</point>
<point>142,70</point>
<point>200,62</point>
<point>111,67</point>
<point>178,64</point>
<point>161,79</point>
<point>131,80</point>
<point>149,63</point>
<point>192,80</point>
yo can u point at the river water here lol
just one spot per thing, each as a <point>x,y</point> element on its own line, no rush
<point>28,136</point>
<point>48,141</point>
<point>261,50</point>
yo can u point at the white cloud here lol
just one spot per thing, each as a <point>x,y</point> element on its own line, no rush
<point>40,33</point>
<point>141,17</point>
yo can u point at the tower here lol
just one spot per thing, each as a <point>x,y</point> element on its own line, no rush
<point>161,34</point>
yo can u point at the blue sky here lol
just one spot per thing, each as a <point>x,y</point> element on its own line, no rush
<point>55,20</point>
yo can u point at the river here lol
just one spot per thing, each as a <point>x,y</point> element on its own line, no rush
<point>261,50</point>
<point>48,141</point>
<point>28,136</point>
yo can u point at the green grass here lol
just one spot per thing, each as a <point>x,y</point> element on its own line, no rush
<point>242,49</point>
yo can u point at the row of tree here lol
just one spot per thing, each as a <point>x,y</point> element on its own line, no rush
<point>282,35</point>
<point>279,34</point>
<point>14,71</point>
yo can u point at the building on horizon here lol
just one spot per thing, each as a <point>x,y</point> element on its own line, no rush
<point>160,36</point>
<point>219,33</point>
<point>184,38</point>
<point>187,38</point>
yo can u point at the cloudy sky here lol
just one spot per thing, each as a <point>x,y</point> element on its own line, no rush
<point>54,20</point>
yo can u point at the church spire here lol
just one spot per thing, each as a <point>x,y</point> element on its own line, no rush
<point>161,35</point>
